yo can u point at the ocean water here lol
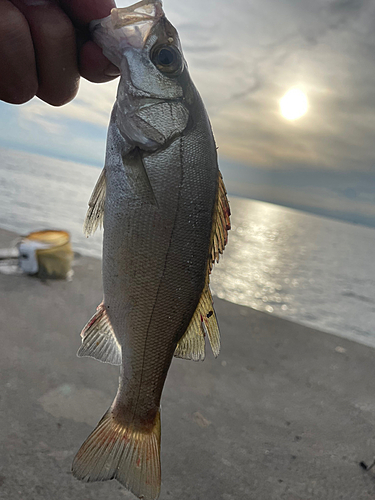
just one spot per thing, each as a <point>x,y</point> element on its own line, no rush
<point>311,270</point>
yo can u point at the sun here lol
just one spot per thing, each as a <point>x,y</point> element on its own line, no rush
<point>293,104</point>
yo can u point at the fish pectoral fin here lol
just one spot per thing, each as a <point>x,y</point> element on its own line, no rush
<point>202,324</point>
<point>99,340</point>
<point>137,176</point>
<point>95,212</point>
<point>116,451</point>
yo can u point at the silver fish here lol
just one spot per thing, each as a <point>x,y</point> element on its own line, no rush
<point>163,205</point>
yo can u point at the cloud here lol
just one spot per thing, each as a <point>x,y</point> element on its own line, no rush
<point>243,56</point>
<point>92,105</point>
<point>74,131</point>
<point>256,51</point>
<point>329,60</point>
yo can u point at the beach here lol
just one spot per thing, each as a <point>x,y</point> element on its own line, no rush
<point>285,412</point>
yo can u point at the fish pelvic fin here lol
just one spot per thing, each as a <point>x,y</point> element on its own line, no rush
<point>95,212</point>
<point>99,340</point>
<point>125,453</point>
<point>202,324</point>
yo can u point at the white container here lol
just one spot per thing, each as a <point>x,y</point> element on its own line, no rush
<point>47,254</point>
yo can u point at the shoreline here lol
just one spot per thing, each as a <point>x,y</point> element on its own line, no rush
<point>284,412</point>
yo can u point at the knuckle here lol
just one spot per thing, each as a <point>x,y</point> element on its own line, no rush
<point>59,29</point>
<point>60,98</point>
<point>18,82</point>
<point>17,87</point>
<point>57,101</point>
<point>18,94</point>
<point>13,26</point>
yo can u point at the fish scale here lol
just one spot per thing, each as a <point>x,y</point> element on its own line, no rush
<point>163,205</point>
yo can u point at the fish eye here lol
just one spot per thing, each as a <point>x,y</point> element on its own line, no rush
<point>167,59</point>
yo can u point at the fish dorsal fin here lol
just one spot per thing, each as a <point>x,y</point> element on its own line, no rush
<point>203,322</point>
<point>99,340</point>
<point>220,224</point>
<point>95,212</point>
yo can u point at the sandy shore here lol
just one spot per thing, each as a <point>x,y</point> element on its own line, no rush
<point>285,412</point>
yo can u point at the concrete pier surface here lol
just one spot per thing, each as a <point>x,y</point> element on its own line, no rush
<point>285,412</point>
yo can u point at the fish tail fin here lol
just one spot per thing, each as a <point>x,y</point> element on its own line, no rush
<point>125,453</point>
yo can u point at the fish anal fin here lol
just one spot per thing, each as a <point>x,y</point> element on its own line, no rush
<point>99,340</point>
<point>126,453</point>
<point>202,324</point>
<point>95,212</point>
<point>192,343</point>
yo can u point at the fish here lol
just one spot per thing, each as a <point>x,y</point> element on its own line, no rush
<point>163,205</point>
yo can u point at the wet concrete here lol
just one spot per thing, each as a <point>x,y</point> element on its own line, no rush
<point>285,412</point>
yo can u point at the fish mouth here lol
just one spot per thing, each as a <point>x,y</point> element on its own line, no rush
<point>126,27</point>
<point>145,11</point>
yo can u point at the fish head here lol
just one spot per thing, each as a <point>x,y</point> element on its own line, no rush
<point>145,46</point>
<point>155,89</point>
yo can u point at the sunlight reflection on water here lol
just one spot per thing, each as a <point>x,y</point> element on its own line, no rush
<point>305,268</point>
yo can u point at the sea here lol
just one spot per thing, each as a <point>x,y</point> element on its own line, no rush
<point>309,269</point>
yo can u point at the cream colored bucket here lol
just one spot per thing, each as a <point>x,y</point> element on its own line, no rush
<point>48,254</point>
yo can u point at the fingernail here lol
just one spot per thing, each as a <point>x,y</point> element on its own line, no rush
<point>112,71</point>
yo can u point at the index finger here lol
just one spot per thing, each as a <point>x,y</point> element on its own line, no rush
<point>92,64</point>
<point>84,11</point>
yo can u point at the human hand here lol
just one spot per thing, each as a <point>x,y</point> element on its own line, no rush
<point>45,48</point>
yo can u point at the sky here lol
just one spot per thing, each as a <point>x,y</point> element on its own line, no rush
<point>243,56</point>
